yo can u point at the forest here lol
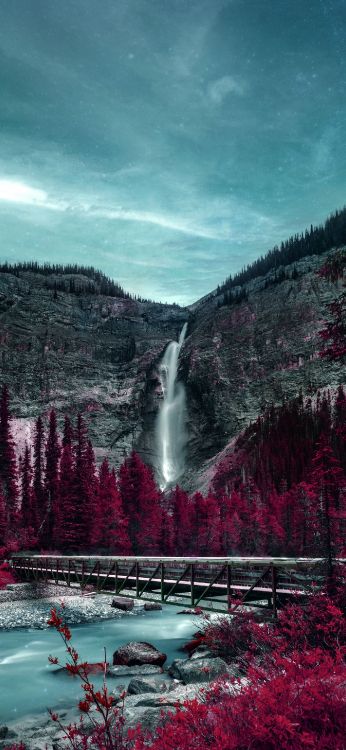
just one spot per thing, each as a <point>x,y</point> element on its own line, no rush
<point>281,491</point>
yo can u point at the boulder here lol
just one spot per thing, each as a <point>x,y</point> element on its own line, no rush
<point>173,698</point>
<point>202,652</point>
<point>152,606</point>
<point>139,685</point>
<point>124,671</point>
<point>148,718</point>
<point>198,670</point>
<point>137,653</point>
<point>122,602</point>
<point>191,611</point>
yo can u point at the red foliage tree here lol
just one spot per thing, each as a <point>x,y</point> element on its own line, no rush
<point>67,532</point>
<point>8,466</point>
<point>82,481</point>
<point>329,519</point>
<point>3,519</point>
<point>38,471</point>
<point>29,518</point>
<point>51,486</point>
<point>141,504</point>
<point>182,519</point>
<point>206,531</point>
<point>112,530</point>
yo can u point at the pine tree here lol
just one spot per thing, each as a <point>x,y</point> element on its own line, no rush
<point>68,530</point>
<point>83,489</point>
<point>113,524</point>
<point>8,466</point>
<point>28,507</point>
<point>38,479</point>
<point>141,504</point>
<point>51,486</point>
<point>207,531</point>
<point>182,521</point>
<point>3,519</point>
<point>92,482</point>
<point>328,482</point>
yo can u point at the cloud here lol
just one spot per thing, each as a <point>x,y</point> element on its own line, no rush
<point>222,87</point>
<point>15,191</point>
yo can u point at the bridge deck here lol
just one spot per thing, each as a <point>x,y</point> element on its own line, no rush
<point>214,583</point>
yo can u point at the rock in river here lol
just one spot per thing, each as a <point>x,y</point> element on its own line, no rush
<point>138,652</point>
<point>122,602</point>
<point>198,670</point>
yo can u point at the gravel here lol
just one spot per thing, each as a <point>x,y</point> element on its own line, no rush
<point>29,605</point>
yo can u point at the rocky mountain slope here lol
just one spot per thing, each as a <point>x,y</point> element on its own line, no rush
<point>99,355</point>
<point>81,352</point>
<point>240,358</point>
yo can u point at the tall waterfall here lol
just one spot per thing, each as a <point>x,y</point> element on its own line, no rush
<point>171,435</point>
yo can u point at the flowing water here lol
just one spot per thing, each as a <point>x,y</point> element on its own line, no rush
<point>171,433</point>
<point>28,684</point>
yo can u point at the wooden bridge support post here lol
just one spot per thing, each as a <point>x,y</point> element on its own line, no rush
<point>229,589</point>
<point>162,582</point>
<point>116,579</point>
<point>83,575</point>
<point>274,586</point>
<point>69,574</point>
<point>137,580</point>
<point>56,571</point>
<point>192,580</point>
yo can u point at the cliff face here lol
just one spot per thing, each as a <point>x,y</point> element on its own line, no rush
<point>240,358</point>
<point>98,355</point>
<point>81,353</point>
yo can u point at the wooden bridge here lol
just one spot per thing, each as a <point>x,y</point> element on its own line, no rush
<point>219,584</point>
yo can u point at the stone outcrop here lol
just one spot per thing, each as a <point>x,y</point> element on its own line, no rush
<point>137,653</point>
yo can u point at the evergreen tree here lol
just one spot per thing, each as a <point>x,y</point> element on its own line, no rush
<point>68,534</point>
<point>112,531</point>
<point>3,519</point>
<point>182,521</point>
<point>141,504</point>
<point>328,482</point>
<point>8,466</point>
<point>51,485</point>
<point>38,478</point>
<point>83,488</point>
<point>28,506</point>
<point>92,482</point>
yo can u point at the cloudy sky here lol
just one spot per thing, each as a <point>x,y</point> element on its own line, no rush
<point>168,142</point>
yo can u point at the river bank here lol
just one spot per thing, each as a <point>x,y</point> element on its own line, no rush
<point>29,685</point>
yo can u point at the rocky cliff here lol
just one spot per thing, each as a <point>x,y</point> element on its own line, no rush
<point>83,351</point>
<point>239,358</point>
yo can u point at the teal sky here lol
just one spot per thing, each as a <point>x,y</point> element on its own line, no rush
<point>168,142</point>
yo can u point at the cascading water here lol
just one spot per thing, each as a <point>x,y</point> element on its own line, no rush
<point>171,436</point>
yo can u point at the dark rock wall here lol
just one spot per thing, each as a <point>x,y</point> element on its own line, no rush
<point>99,355</point>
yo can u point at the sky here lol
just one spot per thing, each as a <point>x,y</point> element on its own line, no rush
<point>168,142</point>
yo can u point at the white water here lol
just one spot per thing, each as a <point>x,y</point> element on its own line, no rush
<point>171,435</point>
<point>28,684</point>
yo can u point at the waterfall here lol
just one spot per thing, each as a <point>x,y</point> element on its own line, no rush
<point>171,435</point>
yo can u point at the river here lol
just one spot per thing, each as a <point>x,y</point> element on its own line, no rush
<point>28,684</point>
